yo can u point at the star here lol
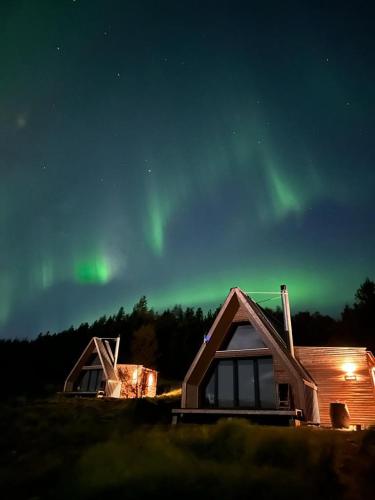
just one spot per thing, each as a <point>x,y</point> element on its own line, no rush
<point>21,121</point>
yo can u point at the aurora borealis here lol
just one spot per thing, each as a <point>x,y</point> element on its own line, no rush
<point>175,149</point>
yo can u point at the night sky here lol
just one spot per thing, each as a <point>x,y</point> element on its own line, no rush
<point>179,148</point>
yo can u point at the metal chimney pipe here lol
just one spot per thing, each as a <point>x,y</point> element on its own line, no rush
<point>287,318</point>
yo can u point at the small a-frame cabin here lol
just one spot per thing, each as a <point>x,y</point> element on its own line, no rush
<point>97,373</point>
<point>245,368</point>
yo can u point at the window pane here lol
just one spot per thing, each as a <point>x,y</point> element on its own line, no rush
<point>83,381</point>
<point>93,360</point>
<point>92,380</point>
<point>95,379</point>
<point>267,391</point>
<point>209,393</point>
<point>245,337</point>
<point>246,393</point>
<point>225,384</point>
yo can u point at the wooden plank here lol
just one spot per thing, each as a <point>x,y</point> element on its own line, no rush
<point>243,353</point>
<point>218,411</point>
<point>326,365</point>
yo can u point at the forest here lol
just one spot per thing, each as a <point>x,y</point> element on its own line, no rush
<point>165,340</point>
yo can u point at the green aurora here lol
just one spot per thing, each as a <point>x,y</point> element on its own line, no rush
<point>179,152</point>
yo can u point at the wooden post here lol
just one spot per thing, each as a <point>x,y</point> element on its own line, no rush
<point>287,318</point>
<point>116,350</point>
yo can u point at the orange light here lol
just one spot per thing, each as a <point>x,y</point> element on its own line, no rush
<point>150,380</point>
<point>349,369</point>
<point>135,376</point>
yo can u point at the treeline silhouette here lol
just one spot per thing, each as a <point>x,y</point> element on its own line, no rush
<point>167,341</point>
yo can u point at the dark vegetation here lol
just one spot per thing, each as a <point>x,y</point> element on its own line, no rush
<point>167,341</point>
<point>94,449</point>
<point>57,448</point>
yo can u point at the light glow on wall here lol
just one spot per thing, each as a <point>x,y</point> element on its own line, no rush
<point>349,369</point>
<point>135,376</point>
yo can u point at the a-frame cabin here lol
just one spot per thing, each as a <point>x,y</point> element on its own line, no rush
<point>97,372</point>
<point>245,368</point>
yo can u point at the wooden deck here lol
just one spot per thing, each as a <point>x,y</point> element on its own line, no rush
<point>213,414</point>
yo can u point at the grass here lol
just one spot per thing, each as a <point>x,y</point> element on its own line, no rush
<point>90,449</point>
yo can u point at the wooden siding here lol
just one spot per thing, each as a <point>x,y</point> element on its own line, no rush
<point>243,353</point>
<point>282,374</point>
<point>135,381</point>
<point>325,364</point>
<point>241,315</point>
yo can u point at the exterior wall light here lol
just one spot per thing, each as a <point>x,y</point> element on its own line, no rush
<point>349,369</point>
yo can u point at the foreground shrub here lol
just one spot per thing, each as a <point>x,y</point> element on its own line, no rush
<point>229,460</point>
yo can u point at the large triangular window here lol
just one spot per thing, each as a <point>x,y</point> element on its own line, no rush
<point>245,337</point>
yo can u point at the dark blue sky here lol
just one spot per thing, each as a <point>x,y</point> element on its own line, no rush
<point>176,149</point>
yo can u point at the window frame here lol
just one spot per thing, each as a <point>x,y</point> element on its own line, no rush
<point>93,374</point>
<point>257,399</point>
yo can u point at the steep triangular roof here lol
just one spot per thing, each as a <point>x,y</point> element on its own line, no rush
<point>236,301</point>
<point>105,355</point>
<point>275,335</point>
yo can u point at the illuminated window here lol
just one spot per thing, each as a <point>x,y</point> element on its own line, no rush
<point>150,380</point>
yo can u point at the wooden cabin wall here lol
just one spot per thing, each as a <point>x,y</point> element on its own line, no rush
<point>151,387</point>
<point>325,364</point>
<point>134,381</point>
<point>241,315</point>
<point>283,375</point>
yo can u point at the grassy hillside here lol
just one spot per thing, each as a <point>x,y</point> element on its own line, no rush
<point>94,449</point>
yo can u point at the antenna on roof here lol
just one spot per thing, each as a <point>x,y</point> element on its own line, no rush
<point>287,318</point>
